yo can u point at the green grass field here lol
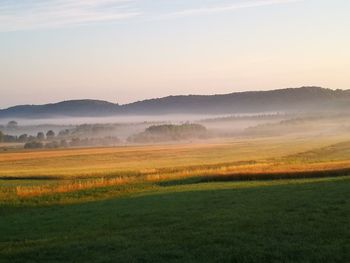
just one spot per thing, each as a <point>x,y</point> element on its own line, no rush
<point>256,200</point>
<point>304,220</point>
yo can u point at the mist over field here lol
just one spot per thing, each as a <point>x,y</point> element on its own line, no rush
<point>74,123</point>
<point>176,131</point>
<point>122,130</point>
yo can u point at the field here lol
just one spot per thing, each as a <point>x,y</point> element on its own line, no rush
<point>273,199</point>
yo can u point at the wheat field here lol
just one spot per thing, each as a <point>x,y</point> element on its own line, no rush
<point>34,173</point>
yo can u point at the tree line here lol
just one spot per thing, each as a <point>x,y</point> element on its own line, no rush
<point>170,132</point>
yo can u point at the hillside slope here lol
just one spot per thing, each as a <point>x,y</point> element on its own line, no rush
<point>284,100</point>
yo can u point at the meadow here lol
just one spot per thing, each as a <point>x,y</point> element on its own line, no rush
<point>270,199</point>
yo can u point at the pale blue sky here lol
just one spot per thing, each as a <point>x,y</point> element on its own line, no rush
<point>126,50</point>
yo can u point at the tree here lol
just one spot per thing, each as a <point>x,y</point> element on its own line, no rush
<point>40,136</point>
<point>52,145</point>
<point>33,145</point>
<point>75,142</point>
<point>31,138</point>
<point>1,136</point>
<point>9,138</point>
<point>23,138</point>
<point>12,125</point>
<point>63,144</point>
<point>50,135</point>
<point>170,132</point>
<point>64,133</point>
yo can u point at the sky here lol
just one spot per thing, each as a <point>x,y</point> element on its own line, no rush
<point>128,50</point>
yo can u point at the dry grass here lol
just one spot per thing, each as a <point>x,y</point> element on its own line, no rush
<point>80,169</point>
<point>225,173</point>
<point>38,190</point>
<point>101,162</point>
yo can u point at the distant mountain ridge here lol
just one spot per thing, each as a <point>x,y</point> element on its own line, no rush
<point>71,108</point>
<point>283,100</point>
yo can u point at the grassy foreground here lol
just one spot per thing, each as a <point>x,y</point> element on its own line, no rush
<point>305,220</point>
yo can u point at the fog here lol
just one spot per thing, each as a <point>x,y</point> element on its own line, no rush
<point>114,131</point>
<point>111,119</point>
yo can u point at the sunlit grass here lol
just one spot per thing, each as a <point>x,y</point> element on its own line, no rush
<point>41,173</point>
<point>84,163</point>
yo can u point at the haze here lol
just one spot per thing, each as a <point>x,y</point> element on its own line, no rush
<point>127,50</point>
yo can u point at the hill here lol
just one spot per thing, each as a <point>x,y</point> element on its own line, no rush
<point>72,108</point>
<point>303,99</point>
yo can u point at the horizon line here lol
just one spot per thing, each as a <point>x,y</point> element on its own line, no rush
<point>178,95</point>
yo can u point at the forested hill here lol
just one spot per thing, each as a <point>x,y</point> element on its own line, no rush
<point>284,100</point>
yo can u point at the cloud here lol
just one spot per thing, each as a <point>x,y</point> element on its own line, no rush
<point>34,14</point>
<point>20,15</point>
<point>225,8</point>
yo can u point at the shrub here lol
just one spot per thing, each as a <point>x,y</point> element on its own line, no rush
<point>33,145</point>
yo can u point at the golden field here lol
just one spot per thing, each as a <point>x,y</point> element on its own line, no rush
<point>90,162</point>
<point>32,173</point>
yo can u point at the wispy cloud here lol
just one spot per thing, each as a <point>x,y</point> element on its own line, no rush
<point>207,10</point>
<point>33,14</point>
<point>18,15</point>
